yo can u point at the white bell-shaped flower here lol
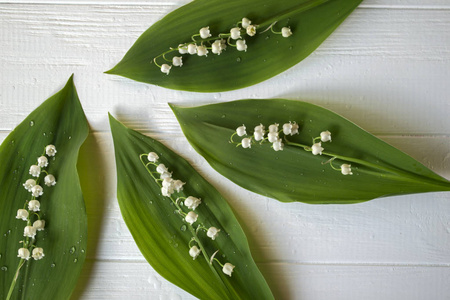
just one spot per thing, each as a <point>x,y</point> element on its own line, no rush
<point>251,30</point>
<point>28,185</point>
<point>273,128</point>
<point>205,33</point>
<point>194,252</point>
<point>183,49</point>
<point>317,148</point>
<point>212,232</point>
<point>202,51</point>
<point>192,49</point>
<point>178,185</point>
<point>42,161</point>
<point>38,253</point>
<point>35,170</point>
<point>191,217</point>
<point>22,214</point>
<point>29,231</point>
<point>278,145</point>
<point>260,128</point>
<point>34,205</point>
<point>241,45</point>
<point>192,202</point>
<point>287,128</point>
<point>152,157</point>
<point>23,253</point>
<point>246,143</point>
<point>177,61</point>
<point>165,68</point>
<point>37,190</point>
<point>165,191</point>
<point>50,150</point>
<point>258,135</point>
<point>235,33</point>
<point>240,131</point>
<point>167,187</point>
<point>325,136</point>
<point>161,168</point>
<point>245,23</point>
<point>216,47</point>
<point>228,269</point>
<point>49,180</point>
<point>272,136</point>
<point>286,32</point>
<point>346,169</point>
<point>39,225</point>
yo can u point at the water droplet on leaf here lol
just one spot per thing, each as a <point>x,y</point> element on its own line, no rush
<point>72,250</point>
<point>53,265</point>
<point>4,268</point>
<point>183,228</point>
<point>31,123</point>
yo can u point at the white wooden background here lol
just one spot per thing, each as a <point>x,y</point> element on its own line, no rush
<point>387,68</point>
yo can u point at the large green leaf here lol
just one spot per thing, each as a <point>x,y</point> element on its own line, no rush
<point>268,54</point>
<point>163,236</point>
<point>295,174</point>
<point>59,121</point>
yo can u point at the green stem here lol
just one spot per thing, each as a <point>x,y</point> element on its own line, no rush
<point>16,275</point>
<point>391,172</point>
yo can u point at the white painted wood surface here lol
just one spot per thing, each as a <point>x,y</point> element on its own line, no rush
<point>387,68</point>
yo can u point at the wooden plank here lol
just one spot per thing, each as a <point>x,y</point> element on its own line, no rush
<point>379,69</point>
<point>366,3</point>
<point>137,280</point>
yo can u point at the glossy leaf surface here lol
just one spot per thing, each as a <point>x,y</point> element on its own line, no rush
<point>60,121</point>
<point>163,236</point>
<point>294,174</point>
<point>268,54</point>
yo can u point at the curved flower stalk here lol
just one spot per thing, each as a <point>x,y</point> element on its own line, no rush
<point>203,42</point>
<point>170,187</point>
<point>30,212</point>
<point>42,214</point>
<point>318,157</point>
<point>277,137</point>
<point>182,225</point>
<point>216,45</point>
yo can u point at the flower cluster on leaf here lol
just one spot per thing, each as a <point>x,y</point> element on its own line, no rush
<point>278,138</point>
<point>170,188</point>
<point>30,211</point>
<point>216,44</point>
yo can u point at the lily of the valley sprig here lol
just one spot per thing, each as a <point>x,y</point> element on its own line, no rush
<point>30,211</point>
<point>204,41</point>
<point>170,187</point>
<point>277,136</point>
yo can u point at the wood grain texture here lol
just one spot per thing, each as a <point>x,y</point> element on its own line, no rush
<point>386,68</point>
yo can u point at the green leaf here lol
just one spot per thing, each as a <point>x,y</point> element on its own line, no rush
<point>268,54</point>
<point>59,121</point>
<point>163,236</point>
<point>294,174</point>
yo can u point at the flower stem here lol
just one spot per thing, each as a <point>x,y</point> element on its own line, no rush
<point>392,173</point>
<point>16,275</point>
